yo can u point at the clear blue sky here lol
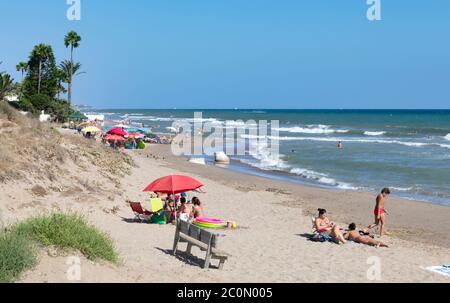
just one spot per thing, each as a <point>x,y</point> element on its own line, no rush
<point>246,54</point>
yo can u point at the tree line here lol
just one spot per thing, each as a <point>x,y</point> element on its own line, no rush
<point>43,81</point>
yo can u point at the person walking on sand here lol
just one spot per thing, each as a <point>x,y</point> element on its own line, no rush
<point>380,211</point>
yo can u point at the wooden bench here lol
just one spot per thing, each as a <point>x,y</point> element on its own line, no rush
<point>196,236</point>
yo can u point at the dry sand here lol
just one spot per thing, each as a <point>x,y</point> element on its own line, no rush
<point>268,246</point>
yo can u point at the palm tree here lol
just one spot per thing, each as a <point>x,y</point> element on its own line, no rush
<point>42,52</point>
<point>6,85</point>
<point>60,77</point>
<point>68,72</point>
<point>22,67</point>
<point>72,39</point>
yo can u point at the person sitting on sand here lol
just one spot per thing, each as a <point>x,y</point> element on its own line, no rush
<point>355,236</point>
<point>185,211</point>
<point>170,210</point>
<point>324,226</point>
<point>380,211</point>
<point>198,210</point>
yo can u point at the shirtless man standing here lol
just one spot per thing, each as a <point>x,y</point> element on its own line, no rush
<point>380,211</point>
<point>355,236</point>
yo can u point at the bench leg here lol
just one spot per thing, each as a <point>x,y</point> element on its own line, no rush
<point>175,243</point>
<point>189,248</point>
<point>222,261</point>
<point>207,259</point>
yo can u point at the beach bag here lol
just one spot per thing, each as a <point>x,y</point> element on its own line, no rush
<point>158,218</point>
<point>156,205</point>
<point>141,145</point>
<point>319,238</point>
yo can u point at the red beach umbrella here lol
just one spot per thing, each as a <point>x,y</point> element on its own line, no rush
<point>135,136</point>
<point>118,131</point>
<point>173,185</point>
<point>113,137</point>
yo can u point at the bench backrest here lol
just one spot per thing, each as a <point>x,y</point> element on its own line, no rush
<point>196,232</point>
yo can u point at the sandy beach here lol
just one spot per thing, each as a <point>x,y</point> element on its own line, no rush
<point>268,246</point>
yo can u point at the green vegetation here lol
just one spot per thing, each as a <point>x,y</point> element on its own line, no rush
<point>6,85</point>
<point>73,40</point>
<point>69,231</point>
<point>16,255</point>
<point>63,231</point>
<point>69,69</point>
<point>43,81</point>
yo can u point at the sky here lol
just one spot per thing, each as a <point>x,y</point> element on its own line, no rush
<point>243,54</point>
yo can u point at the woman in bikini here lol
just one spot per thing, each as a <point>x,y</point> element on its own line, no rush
<point>198,210</point>
<point>355,236</point>
<point>324,226</point>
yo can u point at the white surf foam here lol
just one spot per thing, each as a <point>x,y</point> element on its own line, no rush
<point>336,139</point>
<point>312,129</point>
<point>321,178</point>
<point>367,133</point>
<point>401,188</point>
<point>447,137</point>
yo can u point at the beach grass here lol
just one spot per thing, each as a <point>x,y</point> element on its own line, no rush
<point>18,244</point>
<point>69,231</point>
<point>17,254</point>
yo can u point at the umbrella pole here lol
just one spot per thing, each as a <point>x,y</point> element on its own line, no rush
<point>176,204</point>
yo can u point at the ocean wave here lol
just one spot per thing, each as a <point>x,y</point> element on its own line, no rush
<point>149,118</point>
<point>447,137</point>
<point>312,129</point>
<point>267,160</point>
<point>321,178</point>
<point>335,139</point>
<point>367,133</point>
<point>401,188</point>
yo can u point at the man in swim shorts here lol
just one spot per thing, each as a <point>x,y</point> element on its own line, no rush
<point>380,211</point>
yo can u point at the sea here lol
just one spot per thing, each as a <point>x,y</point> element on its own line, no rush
<point>405,150</point>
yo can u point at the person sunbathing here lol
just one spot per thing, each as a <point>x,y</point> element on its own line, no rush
<point>324,226</point>
<point>355,236</point>
<point>198,210</point>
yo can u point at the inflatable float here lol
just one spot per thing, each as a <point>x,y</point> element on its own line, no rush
<point>208,222</point>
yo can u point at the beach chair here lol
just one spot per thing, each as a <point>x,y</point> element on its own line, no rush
<point>318,236</point>
<point>140,213</point>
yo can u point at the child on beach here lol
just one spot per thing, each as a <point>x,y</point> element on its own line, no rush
<point>380,211</point>
<point>198,210</point>
<point>355,236</point>
<point>185,211</point>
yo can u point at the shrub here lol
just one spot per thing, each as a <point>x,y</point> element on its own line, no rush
<point>16,255</point>
<point>68,231</point>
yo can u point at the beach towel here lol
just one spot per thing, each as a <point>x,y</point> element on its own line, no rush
<point>184,217</point>
<point>443,270</point>
<point>156,205</point>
